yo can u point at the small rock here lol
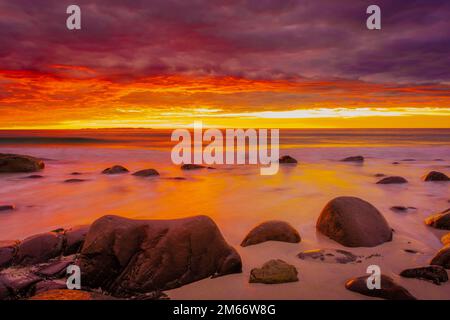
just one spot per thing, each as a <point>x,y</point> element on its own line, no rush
<point>287,160</point>
<point>328,256</point>
<point>389,289</point>
<point>379,175</point>
<point>34,176</point>
<point>446,239</point>
<point>175,178</point>
<point>274,271</point>
<point>76,173</point>
<point>19,163</point>
<point>39,248</point>
<point>48,285</point>
<point>409,160</point>
<point>435,274</point>
<point>439,220</point>
<point>395,162</point>
<point>353,159</point>
<point>55,269</point>
<point>7,207</point>
<point>190,166</point>
<point>436,176</point>
<point>66,294</point>
<point>75,238</point>
<point>146,173</point>
<point>392,180</point>
<point>74,180</point>
<point>402,208</point>
<point>411,251</point>
<point>271,231</point>
<point>115,170</point>
<point>442,258</point>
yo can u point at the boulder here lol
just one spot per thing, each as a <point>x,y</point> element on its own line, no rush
<point>127,257</point>
<point>48,285</point>
<point>10,163</point>
<point>146,173</point>
<point>7,252</point>
<point>353,159</point>
<point>274,271</point>
<point>287,160</point>
<point>389,289</point>
<point>191,166</point>
<point>392,180</point>
<point>74,239</point>
<point>446,239</point>
<point>39,248</point>
<point>66,294</point>
<point>115,170</point>
<point>55,269</point>
<point>271,231</point>
<point>328,256</point>
<point>439,220</point>
<point>353,222</point>
<point>442,258</point>
<point>16,284</point>
<point>6,207</point>
<point>435,274</point>
<point>436,176</point>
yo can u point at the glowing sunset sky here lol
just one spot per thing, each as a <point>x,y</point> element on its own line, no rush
<point>236,63</point>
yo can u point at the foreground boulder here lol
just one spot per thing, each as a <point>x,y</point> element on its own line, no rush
<point>436,176</point>
<point>439,220</point>
<point>274,271</point>
<point>353,159</point>
<point>392,180</point>
<point>287,160</point>
<point>126,257</point>
<point>271,231</point>
<point>389,289</point>
<point>19,163</point>
<point>39,248</point>
<point>146,173</point>
<point>435,274</point>
<point>442,258</point>
<point>353,222</point>
<point>115,170</point>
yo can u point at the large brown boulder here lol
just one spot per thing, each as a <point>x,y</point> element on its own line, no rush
<point>389,289</point>
<point>126,257</point>
<point>271,231</point>
<point>442,258</point>
<point>19,163</point>
<point>39,248</point>
<point>353,222</point>
<point>436,176</point>
<point>439,220</point>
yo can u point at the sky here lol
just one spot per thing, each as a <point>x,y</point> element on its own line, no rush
<point>235,63</point>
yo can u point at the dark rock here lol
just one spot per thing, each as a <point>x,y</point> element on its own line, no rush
<point>146,173</point>
<point>34,176</point>
<point>54,269</point>
<point>395,162</point>
<point>175,178</point>
<point>7,252</point>
<point>125,256</point>
<point>353,159</point>
<point>66,294</point>
<point>190,166</point>
<point>379,175</point>
<point>75,238</point>
<point>287,160</point>
<point>389,289</point>
<point>274,271</point>
<point>15,284</point>
<point>115,170</point>
<point>435,274</point>
<point>439,220</point>
<point>271,231</point>
<point>436,176</point>
<point>353,222</point>
<point>402,208</point>
<point>446,239</point>
<point>74,180</point>
<point>7,207</point>
<point>411,251</point>
<point>442,258</point>
<point>392,180</point>
<point>409,160</point>
<point>19,163</point>
<point>39,248</point>
<point>76,173</point>
<point>48,285</point>
<point>328,256</point>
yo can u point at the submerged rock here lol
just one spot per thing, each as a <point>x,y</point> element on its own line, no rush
<point>435,274</point>
<point>19,163</point>
<point>34,176</point>
<point>127,257</point>
<point>392,180</point>
<point>191,166</point>
<point>389,289</point>
<point>115,170</point>
<point>39,248</point>
<point>271,231</point>
<point>442,258</point>
<point>353,159</point>
<point>74,180</point>
<point>439,220</point>
<point>353,222</point>
<point>328,256</point>
<point>274,271</point>
<point>287,160</point>
<point>436,176</point>
<point>146,173</point>
<point>402,208</point>
<point>6,207</point>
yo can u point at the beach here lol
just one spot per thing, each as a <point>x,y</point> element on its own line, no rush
<point>237,198</point>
